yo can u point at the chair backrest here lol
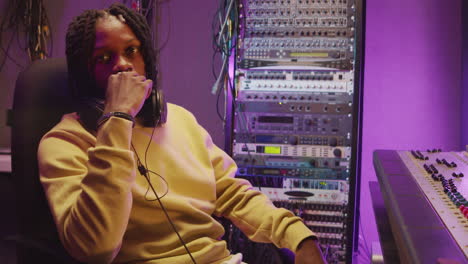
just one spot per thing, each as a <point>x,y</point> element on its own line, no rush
<point>41,98</point>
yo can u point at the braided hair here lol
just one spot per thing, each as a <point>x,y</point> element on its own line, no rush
<point>80,40</point>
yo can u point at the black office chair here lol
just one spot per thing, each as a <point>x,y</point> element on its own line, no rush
<point>41,98</point>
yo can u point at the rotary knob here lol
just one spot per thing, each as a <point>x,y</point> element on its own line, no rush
<point>337,153</point>
<point>313,163</point>
<point>293,140</point>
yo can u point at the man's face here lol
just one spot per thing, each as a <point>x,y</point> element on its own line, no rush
<point>116,49</point>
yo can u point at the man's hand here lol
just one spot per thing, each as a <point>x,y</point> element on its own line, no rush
<point>126,92</point>
<point>308,252</point>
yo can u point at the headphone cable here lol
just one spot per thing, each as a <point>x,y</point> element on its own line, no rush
<point>144,171</point>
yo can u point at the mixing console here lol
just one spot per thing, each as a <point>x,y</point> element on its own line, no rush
<point>441,177</point>
<point>425,194</point>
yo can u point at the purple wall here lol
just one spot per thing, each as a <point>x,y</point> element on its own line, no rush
<point>412,95</point>
<point>185,62</point>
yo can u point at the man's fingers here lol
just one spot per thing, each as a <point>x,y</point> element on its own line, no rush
<point>149,88</point>
<point>148,83</point>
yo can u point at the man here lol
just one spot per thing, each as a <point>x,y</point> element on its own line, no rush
<point>141,184</point>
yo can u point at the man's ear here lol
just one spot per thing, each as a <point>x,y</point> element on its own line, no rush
<point>90,66</point>
<point>92,80</point>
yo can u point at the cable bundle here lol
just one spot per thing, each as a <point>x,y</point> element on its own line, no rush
<point>26,19</point>
<point>225,24</point>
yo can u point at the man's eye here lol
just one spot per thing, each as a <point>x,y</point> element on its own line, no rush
<point>132,50</point>
<point>104,59</point>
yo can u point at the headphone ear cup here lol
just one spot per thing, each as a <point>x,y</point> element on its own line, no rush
<point>90,110</point>
<point>159,107</point>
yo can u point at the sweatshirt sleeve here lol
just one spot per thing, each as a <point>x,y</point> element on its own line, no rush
<point>250,210</point>
<point>89,187</point>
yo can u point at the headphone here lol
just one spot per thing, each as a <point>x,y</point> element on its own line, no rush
<point>159,105</point>
<point>154,110</point>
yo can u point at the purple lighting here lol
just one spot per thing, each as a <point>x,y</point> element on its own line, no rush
<point>412,90</point>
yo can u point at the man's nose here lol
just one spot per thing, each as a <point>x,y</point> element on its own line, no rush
<point>122,64</point>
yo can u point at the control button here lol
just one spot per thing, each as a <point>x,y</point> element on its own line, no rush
<point>337,153</point>
<point>465,210</point>
<point>313,163</point>
<point>293,140</point>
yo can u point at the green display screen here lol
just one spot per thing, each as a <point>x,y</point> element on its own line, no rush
<point>272,150</point>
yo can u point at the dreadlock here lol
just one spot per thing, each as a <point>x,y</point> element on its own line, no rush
<point>80,40</point>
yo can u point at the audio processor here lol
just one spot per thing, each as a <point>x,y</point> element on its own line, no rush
<point>294,124</point>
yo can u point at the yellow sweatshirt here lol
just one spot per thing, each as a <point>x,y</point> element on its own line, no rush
<point>105,214</point>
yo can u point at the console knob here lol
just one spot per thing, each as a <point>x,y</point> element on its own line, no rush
<point>337,153</point>
<point>313,163</point>
<point>293,140</point>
